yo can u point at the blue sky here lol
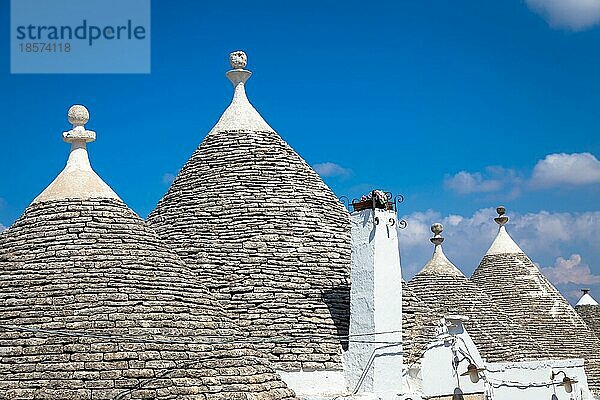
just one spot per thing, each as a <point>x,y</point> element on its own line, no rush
<point>460,106</point>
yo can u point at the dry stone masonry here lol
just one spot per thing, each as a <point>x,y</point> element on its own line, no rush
<point>443,286</point>
<point>94,306</point>
<point>265,234</point>
<point>515,283</point>
<point>589,310</point>
<point>243,270</point>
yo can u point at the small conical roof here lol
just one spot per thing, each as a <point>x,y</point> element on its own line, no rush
<point>445,289</point>
<point>94,305</point>
<point>587,307</point>
<point>521,291</point>
<point>265,233</point>
<point>587,299</point>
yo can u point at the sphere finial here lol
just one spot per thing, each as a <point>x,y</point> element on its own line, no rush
<point>501,219</point>
<point>437,230</point>
<point>238,59</point>
<point>78,115</point>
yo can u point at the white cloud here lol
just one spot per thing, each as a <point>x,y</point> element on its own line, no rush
<point>494,179</point>
<point>566,169</point>
<point>2,227</point>
<point>559,169</point>
<point>544,236</point>
<point>168,178</point>
<point>329,169</point>
<point>571,270</point>
<point>466,182</point>
<point>570,14</point>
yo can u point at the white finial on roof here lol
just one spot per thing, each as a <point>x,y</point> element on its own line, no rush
<point>437,229</point>
<point>240,115</point>
<point>77,180</point>
<point>503,243</point>
<point>78,116</point>
<point>586,299</point>
<point>238,59</point>
<point>501,219</point>
<point>439,263</point>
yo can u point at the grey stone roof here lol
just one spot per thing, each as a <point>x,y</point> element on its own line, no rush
<point>265,234</point>
<point>591,315</point>
<point>497,337</point>
<point>419,323</point>
<point>92,267</point>
<point>527,297</point>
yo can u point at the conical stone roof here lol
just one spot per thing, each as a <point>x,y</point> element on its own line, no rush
<point>94,306</point>
<point>419,323</point>
<point>588,309</point>
<point>519,288</point>
<point>442,286</point>
<point>264,233</point>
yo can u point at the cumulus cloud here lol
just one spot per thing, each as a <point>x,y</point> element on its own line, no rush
<point>2,227</point>
<point>571,270</point>
<point>466,182</point>
<point>329,169</point>
<point>544,236</point>
<point>559,169</point>
<point>168,178</point>
<point>494,179</point>
<point>569,14</point>
<point>566,169</point>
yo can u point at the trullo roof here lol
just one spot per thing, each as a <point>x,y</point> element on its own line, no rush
<point>94,306</point>
<point>446,290</point>
<point>265,234</point>
<point>589,310</point>
<point>519,288</point>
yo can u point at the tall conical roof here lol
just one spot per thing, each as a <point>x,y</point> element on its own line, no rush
<point>265,233</point>
<point>445,289</point>
<point>94,306</point>
<point>516,284</point>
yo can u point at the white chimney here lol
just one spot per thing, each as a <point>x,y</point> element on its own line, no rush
<point>373,362</point>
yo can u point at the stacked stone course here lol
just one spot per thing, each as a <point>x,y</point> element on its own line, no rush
<point>128,319</point>
<point>265,234</point>
<point>522,293</point>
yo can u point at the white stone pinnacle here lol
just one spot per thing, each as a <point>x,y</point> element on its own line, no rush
<point>586,299</point>
<point>77,180</point>
<point>439,263</point>
<point>240,115</point>
<point>503,243</point>
<point>238,59</point>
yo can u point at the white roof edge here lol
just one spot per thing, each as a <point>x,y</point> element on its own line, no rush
<point>503,244</point>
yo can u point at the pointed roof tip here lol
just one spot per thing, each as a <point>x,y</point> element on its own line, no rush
<point>439,263</point>
<point>586,299</point>
<point>503,243</point>
<point>77,180</point>
<point>240,115</point>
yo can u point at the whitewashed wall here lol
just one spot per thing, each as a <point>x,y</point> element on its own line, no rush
<point>531,380</point>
